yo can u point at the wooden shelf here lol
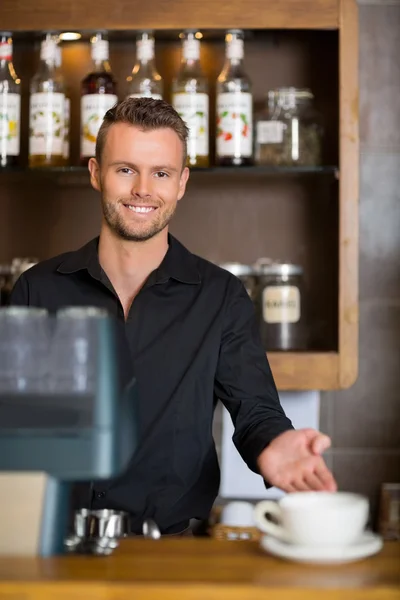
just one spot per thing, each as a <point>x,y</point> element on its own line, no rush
<point>65,15</point>
<point>305,370</point>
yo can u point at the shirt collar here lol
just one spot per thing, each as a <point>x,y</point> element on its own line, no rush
<point>178,263</point>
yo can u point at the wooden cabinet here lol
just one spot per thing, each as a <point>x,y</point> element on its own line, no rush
<point>307,216</point>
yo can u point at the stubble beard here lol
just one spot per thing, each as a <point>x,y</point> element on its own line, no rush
<point>132,232</point>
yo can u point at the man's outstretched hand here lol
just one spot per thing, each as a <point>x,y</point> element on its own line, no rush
<point>293,462</point>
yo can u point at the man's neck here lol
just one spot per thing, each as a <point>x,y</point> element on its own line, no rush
<point>128,264</point>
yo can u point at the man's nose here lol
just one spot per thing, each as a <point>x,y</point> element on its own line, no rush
<point>141,187</point>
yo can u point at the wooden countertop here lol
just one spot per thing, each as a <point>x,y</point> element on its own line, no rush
<point>197,569</point>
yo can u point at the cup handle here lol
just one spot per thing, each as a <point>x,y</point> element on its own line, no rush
<point>262,521</point>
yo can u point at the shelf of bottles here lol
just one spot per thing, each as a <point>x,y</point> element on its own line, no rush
<point>284,139</point>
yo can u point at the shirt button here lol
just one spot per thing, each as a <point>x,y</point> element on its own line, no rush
<point>100,494</point>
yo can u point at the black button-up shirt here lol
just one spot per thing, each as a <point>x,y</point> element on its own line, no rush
<point>193,338</point>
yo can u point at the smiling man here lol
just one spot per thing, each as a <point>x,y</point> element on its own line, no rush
<point>190,328</point>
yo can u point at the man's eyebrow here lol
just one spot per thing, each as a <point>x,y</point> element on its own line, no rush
<point>126,163</point>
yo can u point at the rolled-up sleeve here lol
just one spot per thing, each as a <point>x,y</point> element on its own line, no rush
<point>244,382</point>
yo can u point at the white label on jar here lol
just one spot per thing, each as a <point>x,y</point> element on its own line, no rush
<point>193,108</point>
<point>234,124</point>
<point>46,123</point>
<point>6,50</point>
<point>235,49</point>
<point>281,304</point>
<point>100,50</point>
<point>10,114</point>
<point>154,96</point>
<point>67,116</point>
<point>191,49</point>
<point>145,49</point>
<point>93,109</point>
<point>270,132</point>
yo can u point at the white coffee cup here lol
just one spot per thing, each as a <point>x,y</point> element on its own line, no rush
<point>238,514</point>
<point>315,518</point>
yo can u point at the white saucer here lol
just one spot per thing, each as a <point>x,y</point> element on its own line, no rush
<point>367,545</point>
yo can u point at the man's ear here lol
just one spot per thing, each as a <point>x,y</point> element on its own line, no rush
<point>183,181</point>
<point>94,169</point>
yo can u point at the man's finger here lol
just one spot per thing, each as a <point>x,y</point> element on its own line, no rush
<point>314,483</point>
<point>300,485</point>
<point>326,477</point>
<point>320,443</point>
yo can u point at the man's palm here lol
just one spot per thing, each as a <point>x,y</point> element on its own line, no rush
<point>293,462</point>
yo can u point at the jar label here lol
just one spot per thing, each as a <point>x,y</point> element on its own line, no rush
<point>144,95</point>
<point>10,111</point>
<point>234,124</point>
<point>93,109</point>
<point>270,132</point>
<point>193,108</point>
<point>281,304</point>
<point>46,123</point>
<point>67,113</point>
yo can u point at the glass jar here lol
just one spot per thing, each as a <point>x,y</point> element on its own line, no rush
<point>289,130</point>
<point>247,275</point>
<point>281,307</point>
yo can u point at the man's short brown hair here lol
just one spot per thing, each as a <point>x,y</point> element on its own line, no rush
<point>145,113</point>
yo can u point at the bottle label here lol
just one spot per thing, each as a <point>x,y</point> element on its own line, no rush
<point>93,109</point>
<point>46,123</point>
<point>10,114</point>
<point>145,49</point>
<point>281,304</point>
<point>144,95</point>
<point>191,49</point>
<point>100,50</point>
<point>67,117</point>
<point>234,124</point>
<point>193,108</point>
<point>270,132</point>
<point>235,49</point>
<point>6,51</point>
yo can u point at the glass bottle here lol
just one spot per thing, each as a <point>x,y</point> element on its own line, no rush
<point>46,115</point>
<point>10,105</point>
<point>99,94</point>
<point>190,99</point>
<point>67,112</point>
<point>234,106</point>
<point>145,81</point>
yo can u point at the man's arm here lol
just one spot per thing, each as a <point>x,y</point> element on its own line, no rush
<point>244,381</point>
<point>264,436</point>
<point>20,292</point>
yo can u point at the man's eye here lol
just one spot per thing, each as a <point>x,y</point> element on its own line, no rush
<point>161,174</point>
<point>125,170</point>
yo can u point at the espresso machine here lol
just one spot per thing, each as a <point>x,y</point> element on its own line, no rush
<point>71,436</point>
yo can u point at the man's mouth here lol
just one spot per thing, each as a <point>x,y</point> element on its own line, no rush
<point>141,209</point>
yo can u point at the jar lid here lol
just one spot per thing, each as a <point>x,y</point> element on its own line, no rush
<point>292,91</point>
<point>238,269</point>
<point>283,269</point>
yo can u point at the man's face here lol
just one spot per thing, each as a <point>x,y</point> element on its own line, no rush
<point>140,179</point>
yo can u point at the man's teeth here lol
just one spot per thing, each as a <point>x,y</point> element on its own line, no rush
<point>141,209</point>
